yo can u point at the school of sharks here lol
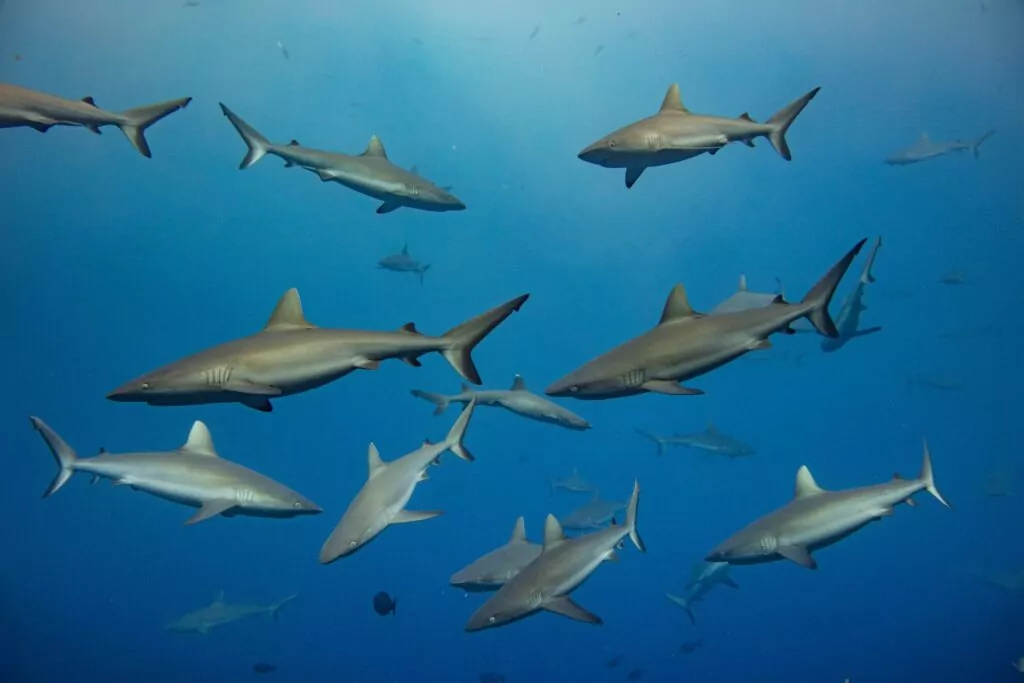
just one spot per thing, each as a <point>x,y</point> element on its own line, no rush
<point>290,355</point>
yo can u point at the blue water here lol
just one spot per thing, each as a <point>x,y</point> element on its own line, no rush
<point>112,264</point>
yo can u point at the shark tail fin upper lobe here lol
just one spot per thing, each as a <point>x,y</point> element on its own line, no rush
<point>783,119</point>
<point>137,120</point>
<point>976,147</point>
<point>276,608</point>
<point>257,144</point>
<point>458,432</point>
<point>63,453</point>
<point>657,442</point>
<point>631,514</point>
<point>821,294</point>
<point>460,341</point>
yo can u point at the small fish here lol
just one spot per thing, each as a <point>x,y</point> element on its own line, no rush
<point>17,58</point>
<point>953,277</point>
<point>384,604</point>
<point>536,30</point>
<point>262,667</point>
<point>580,21</point>
<point>614,661</point>
<point>689,647</point>
<point>490,677</point>
<point>598,50</point>
<point>283,50</point>
<point>635,675</point>
<point>195,3</point>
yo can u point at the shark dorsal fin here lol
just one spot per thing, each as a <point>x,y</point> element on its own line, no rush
<point>199,441</point>
<point>746,117</point>
<point>287,314</point>
<point>924,137</point>
<point>375,148</point>
<point>414,169</point>
<point>519,531</point>
<point>409,328</point>
<point>673,102</point>
<point>89,100</point>
<point>712,429</point>
<point>743,283</point>
<point>374,461</point>
<point>805,484</point>
<point>677,306</point>
<point>405,250</point>
<point>219,598</point>
<point>518,383</point>
<point>553,534</point>
<point>294,143</point>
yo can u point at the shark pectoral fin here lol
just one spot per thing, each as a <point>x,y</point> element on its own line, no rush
<point>798,554</point>
<point>567,608</point>
<point>662,386</point>
<point>96,478</point>
<point>864,333</point>
<point>909,501</point>
<point>760,345</point>
<point>288,164</point>
<point>366,363</point>
<point>211,508</point>
<point>405,516</point>
<point>93,129</point>
<point>41,126</point>
<point>241,386</point>
<point>388,207</point>
<point>730,583</point>
<point>632,175</point>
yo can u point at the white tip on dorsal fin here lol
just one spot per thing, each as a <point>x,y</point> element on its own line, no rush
<point>199,441</point>
<point>375,148</point>
<point>553,534</point>
<point>805,484</point>
<point>677,306</point>
<point>287,314</point>
<point>374,461</point>
<point>672,101</point>
<point>743,283</point>
<point>518,383</point>
<point>519,532</point>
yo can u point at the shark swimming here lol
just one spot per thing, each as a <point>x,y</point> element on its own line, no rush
<point>382,499</point>
<point>496,568</point>
<point>744,299</point>
<point>403,263</point>
<point>290,355</point>
<point>563,564</point>
<point>816,518</point>
<point>686,344</point>
<point>21,107</point>
<point>704,576</point>
<point>675,134</point>
<point>518,399</point>
<point>848,320</point>
<point>710,440</point>
<point>574,483</point>
<point>370,173</point>
<point>218,613</point>
<point>593,514</point>
<point>193,474</point>
<point>925,148</point>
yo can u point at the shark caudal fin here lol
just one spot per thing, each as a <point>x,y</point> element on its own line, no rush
<point>460,341</point>
<point>136,121</point>
<point>685,604</point>
<point>423,271</point>
<point>783,119</point>
<point>458,431</point>
<point>928,479</point>
<point>631,511</point>
<point>818,299</point>
<point>276,607</point>
<point>438,400</point>
<point>976,145</point>
<point>657,442</point>
<point>63,453</point>
<point>866,276</point>
<point>257,144</point>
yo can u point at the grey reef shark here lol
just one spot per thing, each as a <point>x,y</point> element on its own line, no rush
<point>218,613</point>
<point>21,107</point>
<point>290,355</point>
<point>676,134</point>
<point>403,263</point>
<point>925,148</point>
<point>687,344</point>
<point>493,570</point>
<point>370,173</point>
<point>193,474</point>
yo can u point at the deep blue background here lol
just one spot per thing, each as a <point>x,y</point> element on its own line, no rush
<point>111,264</point>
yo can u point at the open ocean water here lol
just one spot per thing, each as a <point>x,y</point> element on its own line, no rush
<point>112,264</point>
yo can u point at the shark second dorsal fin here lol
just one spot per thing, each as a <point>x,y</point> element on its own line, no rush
<point>89,100</point>
<point>294,143</point>
<point>375,148</point>
<point>199,441</point>
<point>677,306</point>
<point>287,314</point>
<point>519,531</point>
<point>409,328</point>
<point>518,384</point>
<point>405,249</point>
<point>414,169</point>
<point>553,534</point>
<point>805,484</point>
<point>673,102</point>
<point>374,461</point>
<point>746,117</point>
<point>743,283</point>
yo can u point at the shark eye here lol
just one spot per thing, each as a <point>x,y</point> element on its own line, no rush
<point>145,386</point>
<point>297,504</point>
<point>611,144</point>
<point>574,388</point>
<point>491,620</point>
<point>352,544</point>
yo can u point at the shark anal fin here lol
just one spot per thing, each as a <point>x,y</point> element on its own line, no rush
<point>211,508</point>
<point>632,175</point>
<point>366,363</point>
<point>325,176</point>
<point>388,207</point>
<point>567,608</point>
<point>760,345</point>
<point>410,360</point>
<point>259,403</point>
<point>40,126</point>
<point>798,554</point>
<point>405,516</point>
<point>660,386</point>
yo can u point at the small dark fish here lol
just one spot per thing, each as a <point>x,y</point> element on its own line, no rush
<point>582,20</point>
<point>263,668</point>
<point>689,647</point>
<point>536,30</point>
<point>490,677</point>
<point>17,58</point>
<point>598,50</point>
<point>635,675</point>
<point>417,41</point>
<point>614,661</point>
<point>190,3</point>
<point>383,604</point>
